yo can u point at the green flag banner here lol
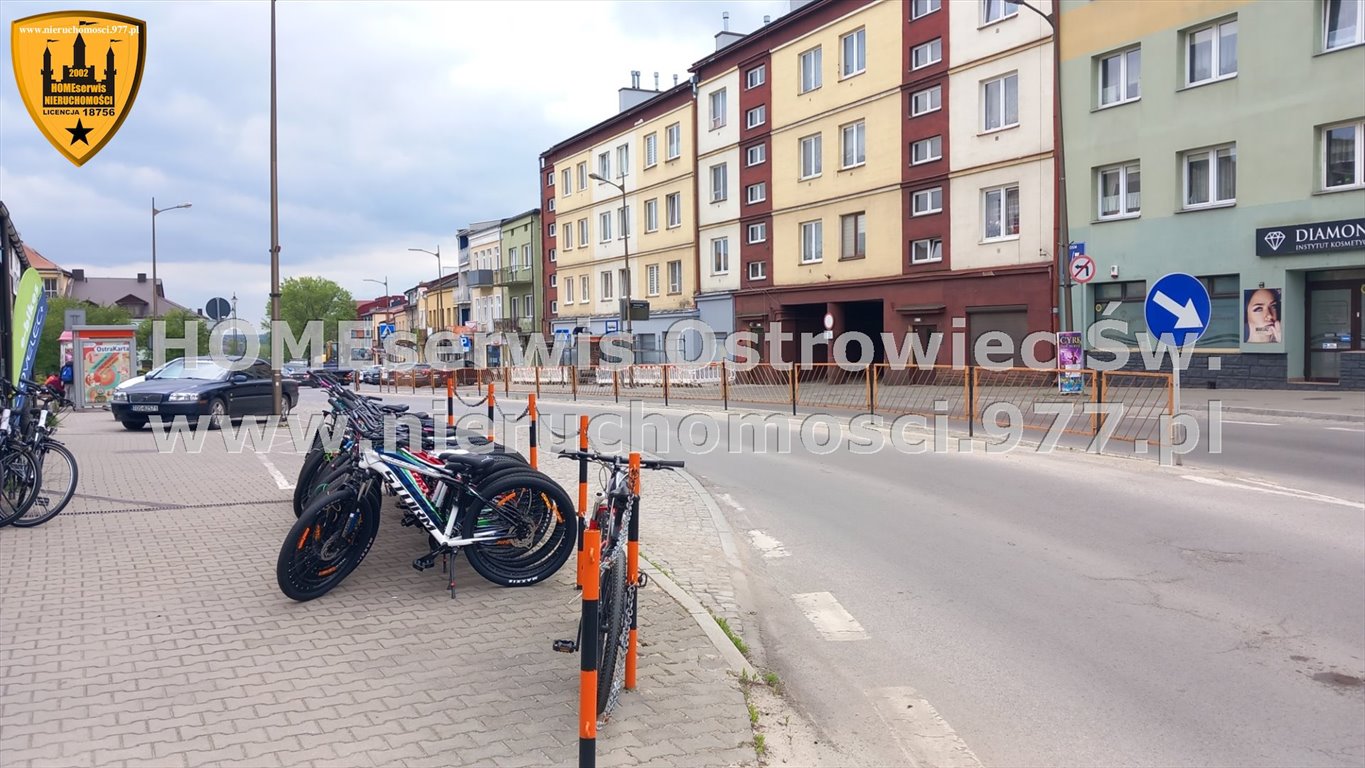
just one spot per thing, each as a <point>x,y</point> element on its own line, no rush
<point>30,310</point>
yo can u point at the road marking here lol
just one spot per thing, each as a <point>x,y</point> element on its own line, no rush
<point>1251,423</point>
<point>270,467</point>
<point>1344,429</point>
<point>829,618</point>
<point>919,730</point>
<point>1277,490</point>
<point>728,499</point>
<point>766,544</point>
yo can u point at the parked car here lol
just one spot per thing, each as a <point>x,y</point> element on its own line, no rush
<point>374,374</point>
<point>139,379</point>
<point>201,387</point>
<point>417,375</point>
<point>296,370</point>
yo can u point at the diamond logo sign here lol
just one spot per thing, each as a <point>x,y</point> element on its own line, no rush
<point>1274,239</point>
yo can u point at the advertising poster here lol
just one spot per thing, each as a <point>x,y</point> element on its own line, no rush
<point>1261,316</point>
<point>1069,358</point>
<point>105,363</point>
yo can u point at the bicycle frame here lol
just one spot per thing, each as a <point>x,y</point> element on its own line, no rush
<point>397,469</point>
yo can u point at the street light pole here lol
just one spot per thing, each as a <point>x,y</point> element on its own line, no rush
<point>155,211</point>
<point>276,380</point>
<point>440,300</point>
<point>388,305</point>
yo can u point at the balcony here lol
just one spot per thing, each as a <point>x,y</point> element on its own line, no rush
<point>479,278</point>
<point>461,293</point>
<point>514,275</point>
<point>514,325</point>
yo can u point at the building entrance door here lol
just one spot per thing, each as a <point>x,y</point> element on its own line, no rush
<point>1333,327</point>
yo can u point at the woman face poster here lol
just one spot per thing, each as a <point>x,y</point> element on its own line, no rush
<point>1261,316</point>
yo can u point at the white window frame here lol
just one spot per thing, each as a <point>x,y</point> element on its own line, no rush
<point>858,37</point>
<point>1359,38</point>
<point>719,192</point>
<point>549,178</point>
<point>651,149</point>
<point>761,273</point>
<point>762,153</point>
<point>606,284</point>
<point>554,307</point>
<point>652,280</point>
<point>720,255</point>
<point>623,222</point>
<point>652,215</point>
<point>933,248</point>
<point>568,182</point>
<point>568,291</point>
<point>582,175</point>
<point>550,204</point>
<point>554,280</point>
<point>716,106</point>
<point>816,253</point>
<point>1359,161</point>
<point>857,216</point>
<point>552,229</point>
<point>756,193</point>
<point>1124,171</point>
<point>756,116</point>
<point>673,138</point>
<point>859,130</point>
<point>1211,154</point>
<point>809,64</point>
<point>1005,9</point>
<point>999,108</point>
<point>930,208</point>
<point>585,295</point>
<point>756,76</point>
<point>1004,193</point>
<point>622,160</point>
<point>921,8</point>
<point>604,227</point>
<point>583,233</point>
<point>1215,54</point>
<point>816,165</point>
<point>927,142</point>
<point>673,206</point>
<point>553,257</point>
<point>757,232</point>
<point>933,94</point>
<point>675,276</point>
<point>1125,62</point>
<point>932,48</point>
<point>604,164</point>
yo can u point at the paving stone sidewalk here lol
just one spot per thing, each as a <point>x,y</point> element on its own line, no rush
<point>143,626</point>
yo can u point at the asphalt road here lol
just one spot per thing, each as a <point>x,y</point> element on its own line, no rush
<point>1058,608</point>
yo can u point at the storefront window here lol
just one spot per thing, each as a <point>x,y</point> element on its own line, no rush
<point>1129,298</point>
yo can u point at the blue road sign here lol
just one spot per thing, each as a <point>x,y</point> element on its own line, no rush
<point>1076,249</point>
<point>465,344</point>
<point>1177,309</point>
<point>385,330</point>
<point>613,326</point>
<point>564,333</point>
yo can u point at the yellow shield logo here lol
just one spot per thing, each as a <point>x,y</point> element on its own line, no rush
<point>78,73</point>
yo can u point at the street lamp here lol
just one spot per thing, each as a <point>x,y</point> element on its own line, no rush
<point>625,235</point>
<point>276,378</point>
<point>440,300</point>
<point>388,305</point>
<point>155,211</point>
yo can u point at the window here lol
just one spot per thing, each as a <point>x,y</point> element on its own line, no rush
<point>717,109</point>
<point>1211,177</point>
<point>604,227</point>
<point>757,270</point>
<point>926,101</point>
<point>853,51</point>
<point>720,255</point>
<point>926,201</point>
<point>652,214</point>
<point>931,52</point>
<point>673,135</point>
<point>853,235</point>
<point>1343,156</point>
<point>582,233</point>
<point>756,155</point>
<point>526,256</point>
<point>810,156</point>
<point>567,185</point>
<point>553,256</point>
<point>623,159</point>
<point>516,307</point>
<point>604,165</point>
<point>756,116</point>
<point>1000,210</point>
<point>583,294</point>
<point>674,204</point>
<point>583,175</point>
<point>554,280</point>
<point>606,287</point>
<point>554,307</point>
<point>756,76</point>
<point>675,277</point>
<point>1119,77</point>
<point>927,250</point>
<point>1343,23</point>
<point>1120,191</point>
<point>812,242</point>
<point>50,283</point>
<point>853,138</point>
<point>652,280</point>
<point>758,233</point>
<point>550,178</point>
<point>756,193</point>
<point>550,204</point>
<point>625,222</point>
<point>1000,102</point>
<point>810,70</point>
<point>718,179</point>
<point>552,229</point>
<point>625,284</point>
<point>1211,53</point>
<point>651,150</point>
<point>995,10</point>
<point>926,150</point>
<point>920,8</point>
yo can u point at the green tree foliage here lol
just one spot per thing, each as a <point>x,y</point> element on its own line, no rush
<point>49,344</point>
<point>306,299</point>
<point>175,321</point>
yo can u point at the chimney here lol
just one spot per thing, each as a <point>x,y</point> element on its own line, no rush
<point>142,277</point>
<point>635,79</point>
<point>725,37</point>
<point>675,79</point>
<point>656,81</point>
<point>767,20</point>
<point>725,22</point>
<point>78,275</point>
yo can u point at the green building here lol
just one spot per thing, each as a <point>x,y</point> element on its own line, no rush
<point>518,276</point>
<point>1224,139</point>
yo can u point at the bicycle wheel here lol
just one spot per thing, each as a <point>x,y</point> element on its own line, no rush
<point>311,464</point>
<point>19,483</point>
<point>529,526</point>
<point>613,622</point>
<point>333,471</point>
<point>327,543</point>
<point>58,475</point>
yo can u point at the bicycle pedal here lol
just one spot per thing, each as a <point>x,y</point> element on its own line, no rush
<point>566,646</point>
<point>425,562</point>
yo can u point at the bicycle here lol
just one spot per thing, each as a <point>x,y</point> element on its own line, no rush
<point>19,475</point>
<point>58,473</point>
<point>616,515</point>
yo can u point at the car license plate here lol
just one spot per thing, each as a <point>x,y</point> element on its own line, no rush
<point>145,408</point>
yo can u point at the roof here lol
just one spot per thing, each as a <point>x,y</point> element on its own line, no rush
<point>108,291</point>
<point>38,261</point>
<point>623,119</point>
<point>519,216</point>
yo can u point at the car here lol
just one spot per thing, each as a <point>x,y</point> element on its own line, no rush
<point>373,374</point>
<point>201,387</point>
<point>296,370</point>
<point>417,375</point>
<point>158,369</point>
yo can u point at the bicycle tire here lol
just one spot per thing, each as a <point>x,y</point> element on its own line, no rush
<point>613,610</point>
<point>311,464</point>
<point>40,512</point>
<point>540,511</point>
<point>339,467</point>
<point>19,483</point>
<point>312,560</point>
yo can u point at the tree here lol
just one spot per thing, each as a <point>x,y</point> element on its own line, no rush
<point>308,299</point>
<point>175,330</point>
<point>49,344</point>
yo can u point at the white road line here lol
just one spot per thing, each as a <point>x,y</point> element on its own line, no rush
<point>1251,423</point>
<point>270,467</point>
<point>766,544</point>
<point>1344,429</point>
<point>728,499</point>
<point>830,618</point>
<point>922,734</point>
<point>1276,490</point>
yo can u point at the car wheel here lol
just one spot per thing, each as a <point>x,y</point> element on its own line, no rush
<point>217,413</point>
<point>133,426</point>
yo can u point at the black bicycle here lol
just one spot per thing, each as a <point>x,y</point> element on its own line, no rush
<point>40,473</point>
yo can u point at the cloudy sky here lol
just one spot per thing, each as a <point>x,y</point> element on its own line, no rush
<point>399,123</point>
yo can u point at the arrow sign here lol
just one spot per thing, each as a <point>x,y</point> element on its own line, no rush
<point>1082,269</point>
<point>1177,309</point>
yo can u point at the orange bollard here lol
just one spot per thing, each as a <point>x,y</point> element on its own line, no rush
<point>531,410</point>
<point>587,675</point>
<point>633,566</point>
<point>582,492</point>
<point>450,402</point>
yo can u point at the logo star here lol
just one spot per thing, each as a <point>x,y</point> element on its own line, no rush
<point>79,133</point>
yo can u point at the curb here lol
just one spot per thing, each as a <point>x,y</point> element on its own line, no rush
<point>1286,414</point>
<point>733,658</point>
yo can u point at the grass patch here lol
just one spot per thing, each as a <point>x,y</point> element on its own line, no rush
<point>772,681</point>
<point>734,638</point>
<point>753,712</point>
<point>760,745</point>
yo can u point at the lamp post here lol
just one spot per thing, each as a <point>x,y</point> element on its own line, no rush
<point>625,235</point>
<point>276,380</point>
<point>440,301</point>
<point>388,306</point>
<point>155,211</point>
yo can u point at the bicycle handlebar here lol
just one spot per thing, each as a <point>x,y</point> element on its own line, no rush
<point>610,459</point>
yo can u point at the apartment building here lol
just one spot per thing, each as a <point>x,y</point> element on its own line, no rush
<point>1224,139</point>
<point>627,234</point>
<point>485,253</point>
<point>518,277</point>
